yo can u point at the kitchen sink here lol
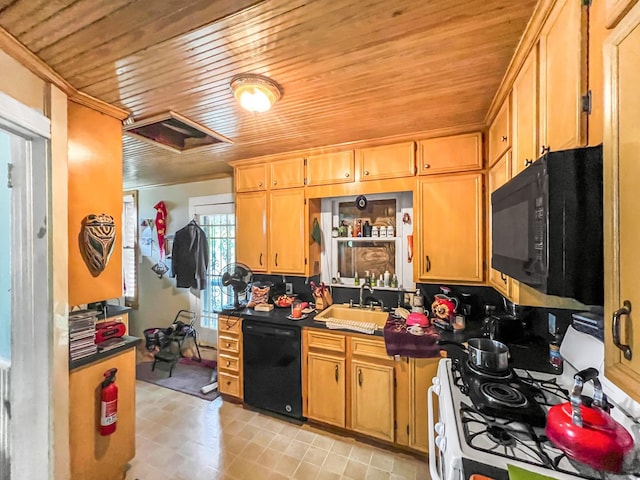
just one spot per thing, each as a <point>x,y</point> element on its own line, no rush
<point>354,314</point>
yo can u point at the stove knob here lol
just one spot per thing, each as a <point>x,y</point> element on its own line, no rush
<point>435,381</point>
<point>464,389</point>
<point>439,428</point>
<point>441,443</point>
<point>436,389</point>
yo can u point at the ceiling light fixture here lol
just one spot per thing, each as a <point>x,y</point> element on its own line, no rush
<point>255,93</point>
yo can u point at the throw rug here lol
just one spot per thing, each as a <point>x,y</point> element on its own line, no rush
<point>188,376</point>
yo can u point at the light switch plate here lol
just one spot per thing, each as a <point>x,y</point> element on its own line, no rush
<point>288,288</point>
<point>552,323</point>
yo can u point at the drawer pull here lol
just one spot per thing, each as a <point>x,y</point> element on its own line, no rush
<point>260,260</point>
<point>503,277</point>
<point>528,162</point>
<point>426,165</point>
<point>428,263</point>
<point>615,327</point>
<point>544,149</point>
<point>276,259</point>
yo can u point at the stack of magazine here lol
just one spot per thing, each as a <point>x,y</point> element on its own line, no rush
<point>82,333</point>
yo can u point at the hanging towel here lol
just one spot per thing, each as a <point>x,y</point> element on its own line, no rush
<point>316,232</point>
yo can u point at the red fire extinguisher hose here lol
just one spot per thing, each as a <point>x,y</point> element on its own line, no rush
<point>109,403</point>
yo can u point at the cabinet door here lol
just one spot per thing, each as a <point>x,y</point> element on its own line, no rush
<point>326,397</point>
<point>615,10</point>
<point>251,230</point>
<point>389,161</point>
<point>286,231</point>
<point>372,400</point>
<point>500,132</point>
<point>251,178</point>
<point>450,154</point>
<point>621,184</point>
<point>498,176</point>
<point>330,168</point>
<point>563,77</point>
<point>450,218</point>
<point>421,373</point>
<point>525,113</point>
<point>286,173</point>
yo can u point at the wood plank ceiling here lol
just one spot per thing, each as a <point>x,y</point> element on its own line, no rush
<point>350,69</point>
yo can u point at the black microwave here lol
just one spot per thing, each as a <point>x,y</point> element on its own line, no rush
<point>547,225</point>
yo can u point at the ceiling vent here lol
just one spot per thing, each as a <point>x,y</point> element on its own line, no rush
<point>174,132</point>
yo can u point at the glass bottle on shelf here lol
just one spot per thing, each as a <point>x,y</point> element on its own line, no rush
<point>356,279</point>
<point>394,281</point>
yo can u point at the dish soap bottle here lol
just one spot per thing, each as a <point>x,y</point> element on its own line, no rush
<point>356,279</point>
<point>387,278</point>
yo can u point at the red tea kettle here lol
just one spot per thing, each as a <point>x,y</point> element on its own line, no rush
<point>588,434</point>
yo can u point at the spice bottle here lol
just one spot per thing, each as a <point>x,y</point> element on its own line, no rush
<point>394,281</point>
<point>387,278</point>
<point>555,358</point>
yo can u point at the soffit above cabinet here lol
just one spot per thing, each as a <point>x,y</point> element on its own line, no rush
<point>350,71</point>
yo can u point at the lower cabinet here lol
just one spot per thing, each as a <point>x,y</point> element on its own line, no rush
<point>372,399</point>
<point>350,382</point>
<point>230,356</point>
<point>327,397</point>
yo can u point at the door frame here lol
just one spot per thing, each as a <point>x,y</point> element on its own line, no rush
<point>31,386</point>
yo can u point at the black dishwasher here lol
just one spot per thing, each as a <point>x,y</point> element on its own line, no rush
<point>272,371</point>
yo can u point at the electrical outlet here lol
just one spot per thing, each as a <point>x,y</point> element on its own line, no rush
<point>288,288</point>
<point>552,323</point>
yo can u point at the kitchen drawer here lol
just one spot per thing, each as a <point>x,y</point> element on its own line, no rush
<point>229,384</point>
<point>229,325</point>
<point>369,347</point>
<point>228,362</point>
<point>326,341</point>
<point>229,344</point>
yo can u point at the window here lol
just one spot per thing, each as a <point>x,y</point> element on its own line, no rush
<point>216,216</point>
<point>130,249</point>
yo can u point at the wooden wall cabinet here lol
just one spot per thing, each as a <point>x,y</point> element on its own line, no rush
<point>621,184</point>
<point>251,230</point>
<point>563,77</point>
<point>95,187</point>
<point>500,132</point>
<point>230,372</point>
<point>615,10</point>
<point>455,153</point>
<point>251,178</point>
<point>287,173</point>
<point>388,161</point>
<point>449,214</point>
<point>499,174</point>
<point>524,95</point>
<point>287,226</point>
<point>330,168</point>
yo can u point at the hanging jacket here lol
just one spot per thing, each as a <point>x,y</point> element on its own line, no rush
<point>190,257</point>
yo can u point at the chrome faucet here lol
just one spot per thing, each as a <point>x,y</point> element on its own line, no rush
<point>362,287</point>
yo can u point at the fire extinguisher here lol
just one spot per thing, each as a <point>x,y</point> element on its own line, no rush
<point>109,403</point>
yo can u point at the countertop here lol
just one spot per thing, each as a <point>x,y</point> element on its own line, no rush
<point>531,354</point>
<point>129,342</point>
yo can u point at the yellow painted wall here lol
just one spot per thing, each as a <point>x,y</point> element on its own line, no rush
<point>19,83</point>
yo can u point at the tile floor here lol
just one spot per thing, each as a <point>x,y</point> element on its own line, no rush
<point>181,437</point>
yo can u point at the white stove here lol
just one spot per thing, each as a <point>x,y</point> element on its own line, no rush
<point>473,437</point>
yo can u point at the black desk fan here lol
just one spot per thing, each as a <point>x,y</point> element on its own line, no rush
<point>237,276</point>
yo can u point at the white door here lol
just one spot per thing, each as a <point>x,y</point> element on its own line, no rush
<point>25,300</point>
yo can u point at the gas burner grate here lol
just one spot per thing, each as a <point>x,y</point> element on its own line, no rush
<point>515,440</point>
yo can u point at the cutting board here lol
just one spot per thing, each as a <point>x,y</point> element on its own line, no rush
<point>517,473</point>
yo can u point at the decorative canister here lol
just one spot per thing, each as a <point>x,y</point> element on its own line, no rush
<point>375,231</point>
<point>383,231</point>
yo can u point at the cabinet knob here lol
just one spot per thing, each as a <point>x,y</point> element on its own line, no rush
<point>503,138</point>
<point>366,172</point>
<point>259,184</point>
<point>503,277</point>
<point>346,175</point>
<point>228,363</point>
<point>544,149</point>
<point>228,345</point>
<point>275,182</point>
<point>228,382</point>
<point>426,165</point>
<point>528,162</point>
